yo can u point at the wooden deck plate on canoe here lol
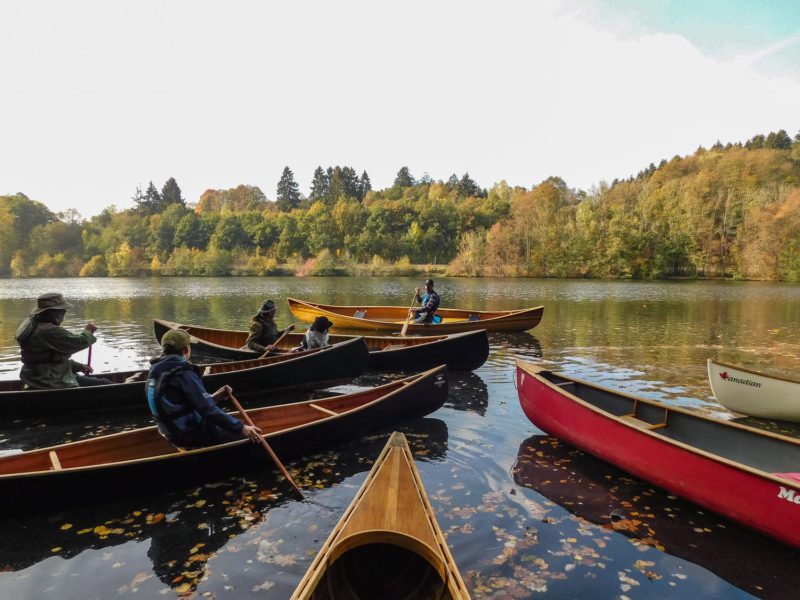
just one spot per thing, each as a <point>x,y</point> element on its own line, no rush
<point>141,461</point>
<point>388,543</point>
<point>392,318</point>
<point>754,393</point>
<point>459,352</point>
<point>749,475</point>
<point>266,376</point>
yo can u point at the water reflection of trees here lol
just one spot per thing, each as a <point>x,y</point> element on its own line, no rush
<point>186,528</point>
<point>599,492</point>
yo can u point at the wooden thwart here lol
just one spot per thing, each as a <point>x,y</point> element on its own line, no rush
<point>54,460</point>
<point>325,410</point>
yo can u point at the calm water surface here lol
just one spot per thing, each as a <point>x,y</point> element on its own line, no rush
<point>525,515</point>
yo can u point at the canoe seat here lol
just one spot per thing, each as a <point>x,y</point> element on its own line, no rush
<point>632,420</point>
<point>792,476</point>
<point>54,460</point>
<point>394,347</point>
<point>360,314</point>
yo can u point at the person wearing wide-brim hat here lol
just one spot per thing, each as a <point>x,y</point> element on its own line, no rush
<point>264,331</point>
<point>47,347</point>
<point>185,413</point>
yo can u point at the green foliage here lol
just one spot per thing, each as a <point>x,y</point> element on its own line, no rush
<point>730,211</point>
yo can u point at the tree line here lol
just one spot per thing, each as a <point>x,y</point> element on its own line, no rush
<point>727,211</point>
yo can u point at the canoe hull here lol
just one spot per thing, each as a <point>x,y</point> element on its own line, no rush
<point>459,352</point>
<point>742,495</point>
<point>371,550</point>
<point>334,364</point>
<point>40,491</point>
<point>753,393</point>
<point>392,318</point>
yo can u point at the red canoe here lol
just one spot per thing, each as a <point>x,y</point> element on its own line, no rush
<point>748,475</point>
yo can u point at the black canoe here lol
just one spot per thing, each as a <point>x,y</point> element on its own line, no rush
<point>140,461</point>
<point>459,351</point>
<point>265,376</point>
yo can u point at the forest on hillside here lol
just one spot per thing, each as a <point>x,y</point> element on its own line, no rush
<point>730,210</point>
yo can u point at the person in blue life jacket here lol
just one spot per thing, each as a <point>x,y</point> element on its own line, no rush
<point>428,304</point>
<point>185,413</point>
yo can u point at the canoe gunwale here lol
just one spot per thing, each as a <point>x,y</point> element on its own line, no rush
<point>536,373</point>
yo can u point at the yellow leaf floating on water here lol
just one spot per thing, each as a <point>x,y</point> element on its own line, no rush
<point>82,531</point>
<point>66,526</point>
<point>56,549</point>
<point>183,588</point>
<point>156,518</point>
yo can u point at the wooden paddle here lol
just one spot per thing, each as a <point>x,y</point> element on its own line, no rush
<point>278,341</point>
<point>408,316</point>
<point>246,418</point>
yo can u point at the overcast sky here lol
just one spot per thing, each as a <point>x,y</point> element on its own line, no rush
<point>99,97</point>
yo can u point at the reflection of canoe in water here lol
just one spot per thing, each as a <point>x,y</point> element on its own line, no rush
<point>259,375</point>
<point>754,393</point>
<point>388,543</point>
<point>603,494</point>
<point>392,318</point>
<point>459,351</point>
<point>746,474</point>
<point>139,461</point>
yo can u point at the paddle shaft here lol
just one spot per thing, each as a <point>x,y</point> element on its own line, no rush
<point>89,359</point>
<point>246,418</point>
<point>408,316</point>
<point>278,341</point>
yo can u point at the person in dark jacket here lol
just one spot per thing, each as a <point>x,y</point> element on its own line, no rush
<point>186,414</point>
<point>428,303</point>
<point>264,331</point>
<point>47,347</point>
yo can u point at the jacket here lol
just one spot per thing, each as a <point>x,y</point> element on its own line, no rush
<point>180,403</point>
<point>46,352</point>
<point>262,334</point>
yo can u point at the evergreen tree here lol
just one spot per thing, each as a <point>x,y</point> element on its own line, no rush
<point>171,193</point>
<point>150,202</point>
<point>350,182</point>
<point>778,140</point>
<point>319,185</point>
<point>467,187</point>
<point>452,183</point>
<point>288,191</point>
<point>755,142</point>
<point>404,178</point>
<point>364,185</point>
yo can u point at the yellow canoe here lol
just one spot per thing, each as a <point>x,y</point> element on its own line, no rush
<point>388,543</point>
<point>392,318</point>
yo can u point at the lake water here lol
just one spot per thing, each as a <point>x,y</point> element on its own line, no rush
<point>525,515</point>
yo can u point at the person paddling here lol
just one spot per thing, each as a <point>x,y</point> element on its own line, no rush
<point>185,413</point>
<point>47,347</point>
<point>428,303</point>
<point>264,331</point>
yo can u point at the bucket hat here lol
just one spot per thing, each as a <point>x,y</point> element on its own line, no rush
<point>52,301</point>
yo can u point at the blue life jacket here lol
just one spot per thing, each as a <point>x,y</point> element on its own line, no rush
<point>173,415</point>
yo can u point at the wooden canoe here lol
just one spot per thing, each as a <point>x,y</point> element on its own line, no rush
<point>392,318</point>
<point>388,543</point>
<point>459,351</point>
<point>754,393</point>
<point>140,461</point>
<point>746,474</point>
<point>266,376</point>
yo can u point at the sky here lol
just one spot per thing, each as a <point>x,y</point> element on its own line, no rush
<point>98,97</point>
